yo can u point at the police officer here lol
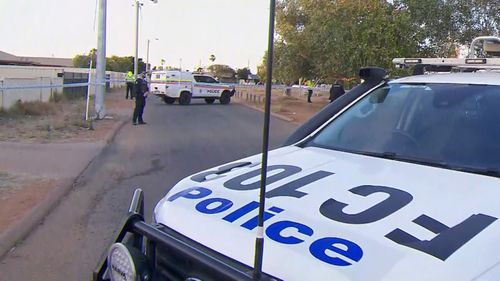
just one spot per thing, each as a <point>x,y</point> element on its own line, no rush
<point>310,86</point>
<point>141,90</point>
<point>336,91</point>
<point>129,79</point>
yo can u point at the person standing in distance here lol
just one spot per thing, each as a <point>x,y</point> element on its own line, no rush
<point>129,79</point>
<point>141,90</point>
<point>310,86</point>
<point>336,91</point>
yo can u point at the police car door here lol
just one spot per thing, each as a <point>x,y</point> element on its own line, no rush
<point>206,86</point>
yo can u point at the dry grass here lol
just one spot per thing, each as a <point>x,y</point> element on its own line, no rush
<point>32,108</point>
<point>43,121</point>
<point>61,119</point>
<point>293,106</point>
<point>8,180</point>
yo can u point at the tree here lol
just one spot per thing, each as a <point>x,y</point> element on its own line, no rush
<point>120,64</point>
<point>83,61</point>
<point>242,73</point>
<point>113,63</point>
<point>431,26</point>
<point>262,70</point>
<point>336,40</point>
<point>331,39</point>
<point>473,18</point>
<point>222,71</point>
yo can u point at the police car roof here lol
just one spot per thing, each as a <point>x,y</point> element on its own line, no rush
<point>484,78</point>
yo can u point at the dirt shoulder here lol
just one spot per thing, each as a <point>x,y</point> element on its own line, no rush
<point>20,193</point>
<point>293,106</point>
<point>61,121</point>
<point>31,133</point>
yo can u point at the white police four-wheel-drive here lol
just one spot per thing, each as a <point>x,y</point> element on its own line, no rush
<point>396,180</point>
<point>182,86</point>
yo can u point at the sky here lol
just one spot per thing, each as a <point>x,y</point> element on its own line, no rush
<point>188,31</point>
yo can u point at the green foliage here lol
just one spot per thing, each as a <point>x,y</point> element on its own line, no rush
<point>331,39</point>
<point>83,61</point>
<point>114,63</point>
<point>261,69</point>
<point>242,73</point>
<point>475,18</point>
<point>222,71</point>
<point>120,64</point>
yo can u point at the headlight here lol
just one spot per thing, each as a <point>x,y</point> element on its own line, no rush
<point>127,264</point>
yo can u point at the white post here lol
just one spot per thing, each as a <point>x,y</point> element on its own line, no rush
<point>2,90</point>
<point>147,57</point>
<point>136,46</point>
<point>101,62</point>
<point>148,67</point>
<point>41,89</point>
<point>88,92</point>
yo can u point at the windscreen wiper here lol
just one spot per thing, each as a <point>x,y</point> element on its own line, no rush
<point>409,159</point>
<point>492,172</point>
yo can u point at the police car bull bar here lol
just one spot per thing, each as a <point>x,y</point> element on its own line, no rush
<point>149,236</point>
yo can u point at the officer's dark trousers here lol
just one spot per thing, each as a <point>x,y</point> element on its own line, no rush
<point>130,88</point>
<point>140,103</point>
<point>309,95</point>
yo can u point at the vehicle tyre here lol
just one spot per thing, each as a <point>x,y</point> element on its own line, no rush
<point>168,100</point>
<point>185,98</point>
<point>209,100</point>
<point>225,98</point>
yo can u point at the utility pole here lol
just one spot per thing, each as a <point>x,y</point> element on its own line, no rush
<point>148,68</point>
<point>138,6</point>
<point>101,62</point>
<point>136,56</point>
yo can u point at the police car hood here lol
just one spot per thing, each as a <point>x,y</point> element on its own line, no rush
<point>340,216</point>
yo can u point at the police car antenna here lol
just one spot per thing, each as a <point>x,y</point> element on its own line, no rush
<point>259,241</point>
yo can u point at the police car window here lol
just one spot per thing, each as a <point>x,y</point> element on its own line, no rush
<point>210,80</point>
<point>200,79</point>
<point>450,124</point>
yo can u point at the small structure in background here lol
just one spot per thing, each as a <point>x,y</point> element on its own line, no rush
<point>9,59</point>
<point>24,79</point>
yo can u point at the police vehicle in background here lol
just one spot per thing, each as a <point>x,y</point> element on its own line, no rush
<point>396,180</point>
<point>182,86</point>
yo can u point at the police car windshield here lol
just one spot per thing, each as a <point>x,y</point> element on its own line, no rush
<point>448,125</point>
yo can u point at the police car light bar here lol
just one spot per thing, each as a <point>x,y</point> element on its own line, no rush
<point>412,61</point>
<point>475,61</point>
<point>480,63</point>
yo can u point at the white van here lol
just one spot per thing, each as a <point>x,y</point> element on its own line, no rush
<point>172,85</point>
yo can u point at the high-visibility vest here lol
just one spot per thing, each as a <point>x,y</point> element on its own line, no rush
<point>130,78</point>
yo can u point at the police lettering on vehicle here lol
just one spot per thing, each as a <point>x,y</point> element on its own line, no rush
<point>347,250</point>
<point>447,241</point>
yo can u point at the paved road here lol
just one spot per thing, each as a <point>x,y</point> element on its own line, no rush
<point>178,141</point>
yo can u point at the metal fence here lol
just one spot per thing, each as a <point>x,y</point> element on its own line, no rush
<point>14,90</point>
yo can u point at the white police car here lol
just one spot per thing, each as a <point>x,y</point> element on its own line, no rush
<point>396,180</point>
<point>182,86</point>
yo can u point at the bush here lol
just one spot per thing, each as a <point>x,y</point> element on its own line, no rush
<point>31,108</point>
